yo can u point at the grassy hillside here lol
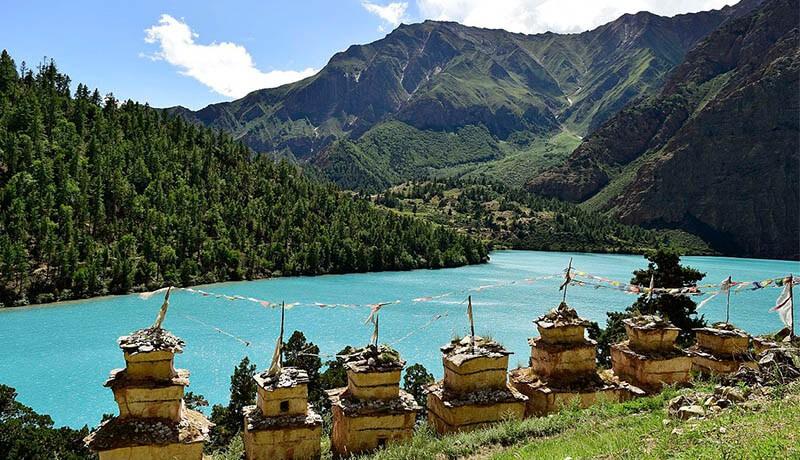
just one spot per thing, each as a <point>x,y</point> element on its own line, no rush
<point>522,158</point>
<point>765,429</point>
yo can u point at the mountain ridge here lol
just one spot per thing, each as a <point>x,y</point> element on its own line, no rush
<point>667,161</point>
<point>439,76</point>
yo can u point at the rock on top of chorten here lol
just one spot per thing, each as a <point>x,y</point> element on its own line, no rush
<point>724,329</point>
<point>149,340</point>
<point>374,359</point>
<point>462,349</point>
<point>288,377</point>
<point>648,322</point>
<point>563,315</point>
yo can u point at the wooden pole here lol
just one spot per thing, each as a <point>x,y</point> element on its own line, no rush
<point>728,305</point>
<point>277,354</point>
<point>375,333</point>
<point>280,335</point>
<point>567,279</point>
<point>791,304</point>
<point>471,322</point>
<point>162,313</point>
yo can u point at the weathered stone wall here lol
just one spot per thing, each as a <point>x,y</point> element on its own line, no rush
<point>366,431</point>
<point>563,334</point>
<point>374,385</point>
<point>176,451</point>
<point>448,418</point>
<point>269,401</point>
<point>543,401</point>
<point>283,443</point>
<point>722,343</point>
<point>142,402</point>
<point>650,372</point>
<point>651,340</point>
<point>155,365</point>
<point>475,373</point>
<point>563,361</point>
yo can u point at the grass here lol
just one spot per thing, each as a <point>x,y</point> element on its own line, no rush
<point>631,430</point>
<point>619,182</point>
<point>736,434</point>
<point>634,430</point>
<point>521,163</point>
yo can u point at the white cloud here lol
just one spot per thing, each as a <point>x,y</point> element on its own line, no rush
<point>564,16</point>
<point>226,68</point>
<point>392,13</point>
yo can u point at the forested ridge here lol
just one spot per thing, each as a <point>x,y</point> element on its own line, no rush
<point>101,196</point>
<point>514,218</point>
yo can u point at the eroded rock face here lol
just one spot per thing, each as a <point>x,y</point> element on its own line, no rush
<point>717,153</point>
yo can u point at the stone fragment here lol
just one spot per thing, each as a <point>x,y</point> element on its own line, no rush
<point>687,412</point>
<point>731,393</point>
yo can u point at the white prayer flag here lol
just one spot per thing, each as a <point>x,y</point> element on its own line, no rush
<point>784,305</point>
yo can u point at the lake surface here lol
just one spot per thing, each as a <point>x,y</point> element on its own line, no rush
<point>58,356</point>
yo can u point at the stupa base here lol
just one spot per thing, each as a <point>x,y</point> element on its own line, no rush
<point>151,438</point>
<point>709,364</point>
<point>365,425</point>
<point>547,397</point>
<point>293,437</point>
<point>450,412</point>
<point>651,372</point>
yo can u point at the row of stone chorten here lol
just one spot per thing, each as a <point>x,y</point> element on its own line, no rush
<point>372,411</point>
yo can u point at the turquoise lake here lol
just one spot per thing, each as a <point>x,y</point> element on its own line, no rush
<point>58,356</point>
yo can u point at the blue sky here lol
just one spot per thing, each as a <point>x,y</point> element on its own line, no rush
<point>193,53</point>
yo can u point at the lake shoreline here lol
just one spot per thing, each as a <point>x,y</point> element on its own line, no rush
<point>494,249</point>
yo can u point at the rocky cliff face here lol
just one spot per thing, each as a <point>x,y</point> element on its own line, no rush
<point>716,152</point>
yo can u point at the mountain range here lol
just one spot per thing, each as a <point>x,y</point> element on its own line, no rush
<point>715,152</point>
<point>460,93</point>
<point>652,120</point>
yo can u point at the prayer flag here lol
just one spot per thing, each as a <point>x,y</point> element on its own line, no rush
<point>783,305</point>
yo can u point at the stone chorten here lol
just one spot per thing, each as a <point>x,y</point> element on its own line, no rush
<point>282,425</point>
<point>153,423</point>
<point>475,391</point>
<point>563,367</point>
<point>649,358</point>
<point>372,410</point>
<point>720,349</point>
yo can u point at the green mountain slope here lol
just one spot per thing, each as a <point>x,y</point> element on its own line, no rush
<point>716,152</point>
<point>98,196</point>
<point>512,218</point>
<point>442,77</point>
